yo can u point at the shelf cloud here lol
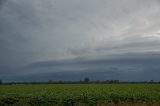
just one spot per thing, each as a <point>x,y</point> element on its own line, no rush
<point>69,40</point>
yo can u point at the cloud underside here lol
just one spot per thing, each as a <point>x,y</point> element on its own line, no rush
<point>41,40</point>
<point>125,68</point>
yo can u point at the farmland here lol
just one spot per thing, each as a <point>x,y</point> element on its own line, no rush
<point>80,95</point>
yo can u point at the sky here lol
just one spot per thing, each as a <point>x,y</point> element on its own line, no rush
<point>43,40</point>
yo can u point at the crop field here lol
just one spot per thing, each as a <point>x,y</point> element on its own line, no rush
<point>80,95</point>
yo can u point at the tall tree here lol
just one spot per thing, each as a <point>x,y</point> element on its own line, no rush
<point>86,80</point>
<point>0,81</point>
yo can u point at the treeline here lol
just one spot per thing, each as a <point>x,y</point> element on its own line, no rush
<point>85,81</point>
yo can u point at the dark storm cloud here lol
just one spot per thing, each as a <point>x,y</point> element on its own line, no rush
<point>107,74</point>
<point>128,58</point>
<point>76,38</point>
<point>1,2</point>
<point>129,66</point>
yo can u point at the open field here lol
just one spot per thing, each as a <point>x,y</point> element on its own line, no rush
<point>80,95</point>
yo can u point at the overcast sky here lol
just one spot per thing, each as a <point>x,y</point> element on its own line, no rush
<point>72,39</point>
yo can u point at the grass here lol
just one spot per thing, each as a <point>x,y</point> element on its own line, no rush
<point>80,95</point>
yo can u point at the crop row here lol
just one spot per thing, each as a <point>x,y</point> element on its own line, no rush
<point>78,94</point>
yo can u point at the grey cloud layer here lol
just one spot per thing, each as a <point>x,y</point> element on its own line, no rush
<point>132,67</point>
<point>53,30</point>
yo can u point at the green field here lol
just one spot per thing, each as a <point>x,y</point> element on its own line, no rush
<point>80,95</point>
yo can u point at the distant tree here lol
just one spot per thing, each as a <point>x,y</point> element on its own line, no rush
<point>1,81</point>
<point>97,82</point>
<point>60,82</point>
<point>86,80</point>
<point>116,81</point>
<point>50,81</point>
<point>151,81</point>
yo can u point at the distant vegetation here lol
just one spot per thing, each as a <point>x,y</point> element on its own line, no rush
<point>85,81</point>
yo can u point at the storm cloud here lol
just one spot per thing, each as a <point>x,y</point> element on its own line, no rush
<point>69,40</point>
